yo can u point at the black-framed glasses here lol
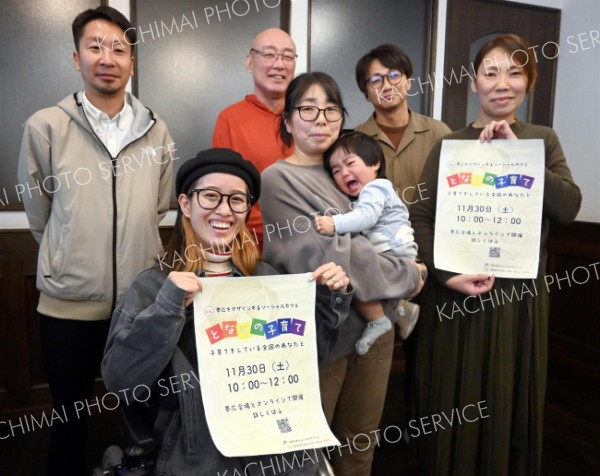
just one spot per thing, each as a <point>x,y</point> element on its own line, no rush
<point>311,113</point>
<point>210,199</point>
<point>394,76</point>
<point>272,55</point>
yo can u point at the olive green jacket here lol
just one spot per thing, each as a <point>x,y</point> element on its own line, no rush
<point>405,164</point>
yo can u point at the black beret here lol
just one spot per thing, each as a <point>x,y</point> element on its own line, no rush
<point>224,161</point>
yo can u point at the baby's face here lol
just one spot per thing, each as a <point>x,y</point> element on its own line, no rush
<point>350,172</point>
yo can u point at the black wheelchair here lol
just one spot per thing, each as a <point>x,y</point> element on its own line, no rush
<point>137,458</point>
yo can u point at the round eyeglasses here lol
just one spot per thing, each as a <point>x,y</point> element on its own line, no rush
<point>210,199</point>
<point>311,113</point>
<point>394,76</point>
<point>271,56</point>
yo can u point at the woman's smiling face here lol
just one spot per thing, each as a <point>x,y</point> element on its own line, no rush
<point>219,227</point>
<point>501,85</point>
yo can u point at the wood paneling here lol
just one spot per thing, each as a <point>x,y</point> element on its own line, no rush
<point>18,257</point>
<point>23,385</point>
<point>574,327</point>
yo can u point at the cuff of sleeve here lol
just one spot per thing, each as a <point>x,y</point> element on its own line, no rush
<point>339,302</point>
<point>443,276</point>
<point>171,297</point>
<point>339,228</point>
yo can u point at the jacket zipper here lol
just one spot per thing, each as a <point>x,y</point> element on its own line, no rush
<point>113,161</point>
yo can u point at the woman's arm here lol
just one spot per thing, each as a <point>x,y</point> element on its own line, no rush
<point>292,245</point>
<point>562,197</point>
<point>145,330</point>
<point>471,284</point>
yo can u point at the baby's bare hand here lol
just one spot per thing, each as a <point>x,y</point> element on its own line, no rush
<point>324,225</point>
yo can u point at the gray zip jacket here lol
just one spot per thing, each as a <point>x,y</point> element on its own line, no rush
<point>151,343</point>
<point>94,216</point>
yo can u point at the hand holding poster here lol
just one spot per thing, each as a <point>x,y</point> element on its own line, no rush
<point>489,207</point>
<point>257,361</point>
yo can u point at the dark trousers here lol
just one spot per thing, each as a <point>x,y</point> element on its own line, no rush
<point>72,352</point>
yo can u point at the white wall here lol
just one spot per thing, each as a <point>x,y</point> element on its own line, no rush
<point>577,104</point>
<point>546,3</point>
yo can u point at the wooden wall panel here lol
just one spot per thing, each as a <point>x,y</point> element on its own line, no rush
<point>18,257</point>
<point>574,325</point>
<point>4,355</point>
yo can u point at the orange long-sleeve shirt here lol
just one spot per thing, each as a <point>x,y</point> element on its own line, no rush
<point>252,129</point>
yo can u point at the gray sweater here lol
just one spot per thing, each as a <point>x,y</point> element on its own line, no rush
<point>292,195</point>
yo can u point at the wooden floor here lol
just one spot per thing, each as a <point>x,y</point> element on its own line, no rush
<point>571,441</point>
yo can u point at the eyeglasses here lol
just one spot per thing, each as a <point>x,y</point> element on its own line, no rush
<point>211,199</point>
<point>271,56</point>
<point>311,113</point>
<point>394,76</point>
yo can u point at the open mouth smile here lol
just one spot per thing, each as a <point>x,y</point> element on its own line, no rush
<point>219,225</point>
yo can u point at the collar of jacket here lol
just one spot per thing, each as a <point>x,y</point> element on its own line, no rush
<point>143,117</point>
<point>416,123</point>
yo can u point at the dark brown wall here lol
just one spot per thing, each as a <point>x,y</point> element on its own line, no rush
<point>574,326</point>
<point>23,386</point>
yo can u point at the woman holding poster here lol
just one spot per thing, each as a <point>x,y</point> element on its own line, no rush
<point>151,351</point>
<point>296,189</point>
<point>482,340</point>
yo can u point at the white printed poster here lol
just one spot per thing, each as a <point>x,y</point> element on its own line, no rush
<point>489,207</point>
<point>257,361</point>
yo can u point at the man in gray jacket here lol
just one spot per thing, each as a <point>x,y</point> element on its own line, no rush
<point>96,175</point>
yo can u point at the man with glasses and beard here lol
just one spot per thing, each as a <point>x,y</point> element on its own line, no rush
<point>384,76</point>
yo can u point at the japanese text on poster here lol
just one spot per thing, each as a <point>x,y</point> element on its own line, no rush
<point>257,361</point>
<point>489,207</point>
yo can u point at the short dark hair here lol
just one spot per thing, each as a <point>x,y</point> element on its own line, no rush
<point>391,56</point>
<point>517,48</point>
<point>366,147</point>
<point>103,13</point>
<point>298,88</point>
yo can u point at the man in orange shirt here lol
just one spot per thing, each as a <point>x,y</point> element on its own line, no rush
<point>251,126</point>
